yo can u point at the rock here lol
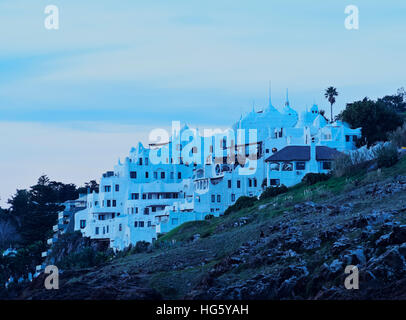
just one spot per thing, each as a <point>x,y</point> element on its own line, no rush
<point>389,265</point>
<point>336,266</point>
<point>339,246</point>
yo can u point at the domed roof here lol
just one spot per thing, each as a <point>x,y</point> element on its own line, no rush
<point>314,109</point>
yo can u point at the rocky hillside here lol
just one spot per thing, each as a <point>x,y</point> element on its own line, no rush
<point>293,246</point>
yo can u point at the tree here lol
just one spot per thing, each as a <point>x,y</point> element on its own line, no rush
<point>331,94</point>
<point>396,102</point>
<point>375,118</point>
<point>92,185</point>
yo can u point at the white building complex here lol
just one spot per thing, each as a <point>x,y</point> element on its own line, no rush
<point>190,175</point>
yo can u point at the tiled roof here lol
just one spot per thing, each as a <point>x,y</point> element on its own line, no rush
<point>302,153</point>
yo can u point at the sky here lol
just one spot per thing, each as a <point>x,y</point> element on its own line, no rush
<point>75,100</point>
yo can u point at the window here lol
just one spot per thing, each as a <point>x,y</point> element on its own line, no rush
<point>114,203</point>
<point>146,210</point>
<point>146,174</point>
<point>233,197</point>
<point>136,224</point>
<point>326,165</point>
<point>113,215</point>
<point>97,230</point>
<point>218,198</point>
<point>347,138</point>
<point>300,165</point>
<point>275,166</point>
<point>102,217</point>
<point>144,196</point>
<point>108,203</point>
<point>162,175</point>
<point>354,138</point>
<point>140,161</point>
<point>133,174</point>
<point>117,188</point>
<point>275,182</point>
<point>120,227</point>
<point>146,161</point>
<point>179,175</point>
<point>107,188</point>
<point>141,224</point>
<point>174,221</point>
<point>149,224</point>
<point>155,175</point>
<point>238,184</point>
<point>229,184</point>
<point>82,224</point>
<point>267,150</point>
<point>132,210</point>
<point>255,182</point>
<point>172,175</point>
<point>135,196</point>
<point>287,166</point>
<point>136,209</point>
<point>153,209</point>
<point>249,183</point>
<point>213,198</point>
<point>107,229</point>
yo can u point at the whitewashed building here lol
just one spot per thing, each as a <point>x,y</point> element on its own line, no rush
<point>192,175</point>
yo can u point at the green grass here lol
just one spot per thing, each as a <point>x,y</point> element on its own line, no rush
<point>284,202</point>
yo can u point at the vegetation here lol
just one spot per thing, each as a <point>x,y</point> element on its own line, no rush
<point>387,155</point>
<point>398,137</point>
<point>27,224</point>
<point>272,192</point>
<point>312,178</point>
<point>331,94</point>
<point>86,258</point>
<point>377,118</point>
<point>241,203</point>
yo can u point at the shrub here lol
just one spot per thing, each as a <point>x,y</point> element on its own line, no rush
<point>272,192</point>
<point>209,217</point>
<point>85,258</point>
<point>387,155</point>
<point>140,246</point>
<point>312,178</point>
<point>398,137</point>
<point>241,203</point>
<point>342,165</point>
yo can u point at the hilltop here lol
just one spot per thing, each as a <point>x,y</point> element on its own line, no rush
<point>292,246</point>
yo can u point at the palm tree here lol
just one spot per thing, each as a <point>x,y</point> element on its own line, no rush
<point>331,94</point>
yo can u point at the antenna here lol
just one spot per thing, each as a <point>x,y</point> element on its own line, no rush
<point>270,93</point>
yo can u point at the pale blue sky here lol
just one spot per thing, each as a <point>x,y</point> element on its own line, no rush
<point>116,69</point>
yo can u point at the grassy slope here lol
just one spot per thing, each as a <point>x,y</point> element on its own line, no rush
<point>178,264</point>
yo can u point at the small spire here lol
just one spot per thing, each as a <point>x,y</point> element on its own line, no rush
<point>287,98</point>
<point>270,93</point>
<point>253,105</point>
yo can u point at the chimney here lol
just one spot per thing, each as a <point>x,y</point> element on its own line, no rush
<point>313,166</point>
